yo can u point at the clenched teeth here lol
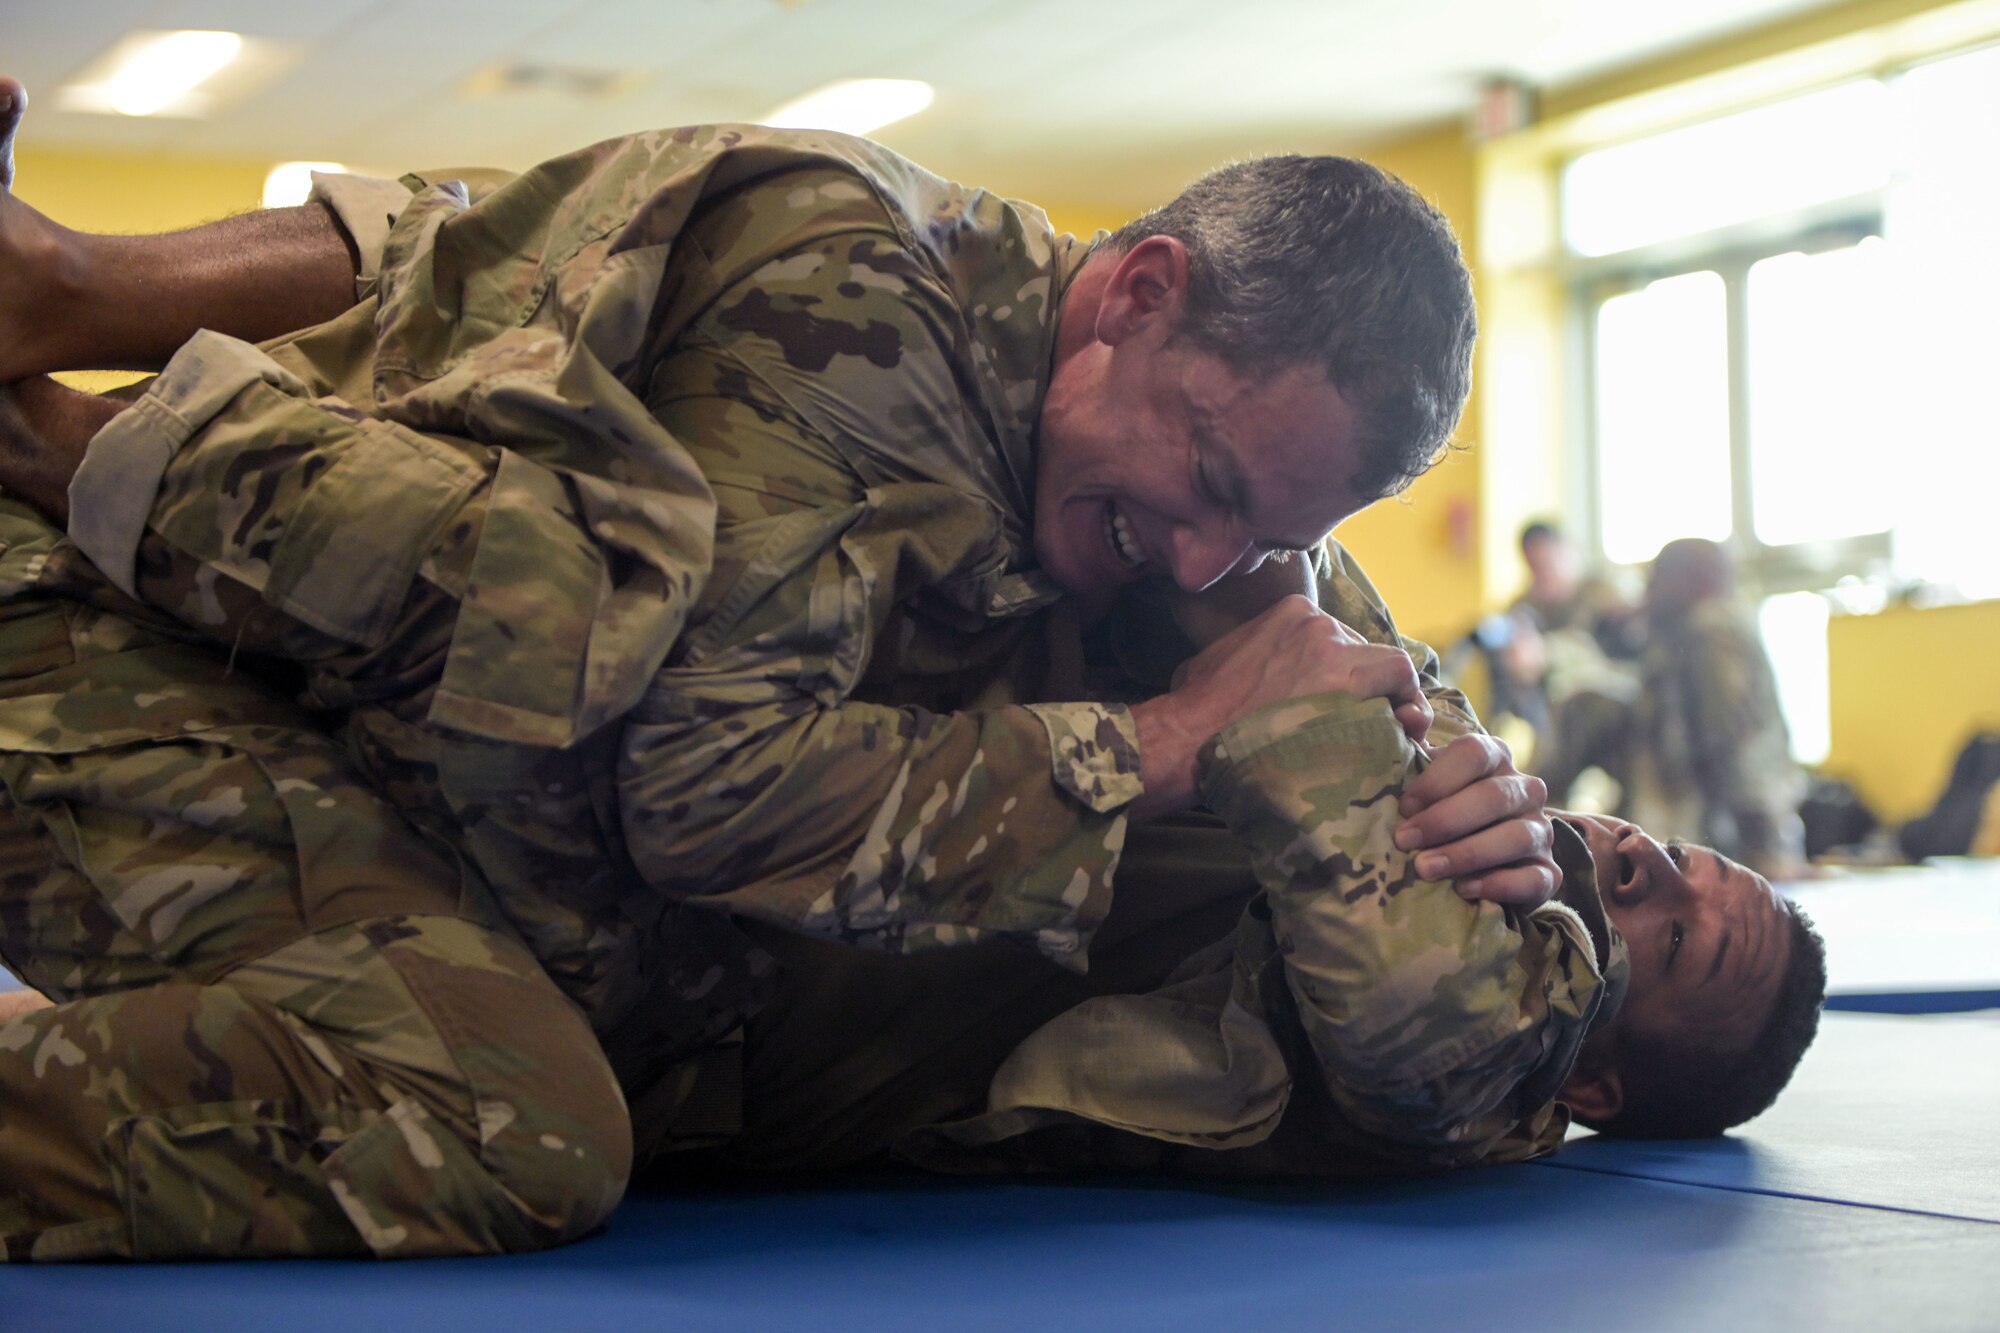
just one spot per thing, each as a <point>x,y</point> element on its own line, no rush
<point>1119,534</point>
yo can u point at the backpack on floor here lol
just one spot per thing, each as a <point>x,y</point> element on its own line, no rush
<point>1948,829</point>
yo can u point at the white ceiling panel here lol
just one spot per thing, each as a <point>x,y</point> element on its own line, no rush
<point>261,18</point>
<point>1072,96</point>
<point>47,43</point>
<point>648,33</point>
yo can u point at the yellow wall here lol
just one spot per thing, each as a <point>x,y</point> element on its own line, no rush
<point>130,194</point>
<point>1422,548</point>
<point>116,192</point>
<point>1909,687</point>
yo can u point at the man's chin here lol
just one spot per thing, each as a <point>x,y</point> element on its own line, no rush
<point>1092,607</point>
<point>1087,588</point>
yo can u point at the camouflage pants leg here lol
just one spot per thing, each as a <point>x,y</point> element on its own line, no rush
<point>293,527</point>
<point>286,1023</point>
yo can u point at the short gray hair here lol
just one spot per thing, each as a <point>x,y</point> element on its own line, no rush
<point>1331,262</point>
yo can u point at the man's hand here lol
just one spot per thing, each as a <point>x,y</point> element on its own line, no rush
<point>1292,650</point>
<point>1481,823</point>
<point>1228,603</point>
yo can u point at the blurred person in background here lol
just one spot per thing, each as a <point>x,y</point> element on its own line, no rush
<point>1701,751</point>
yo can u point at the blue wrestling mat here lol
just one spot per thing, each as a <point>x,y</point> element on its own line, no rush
<point>1868,1199</point>
<point>1864,1202</point>
<point>1909,940</point>
<point>1514,1248</point>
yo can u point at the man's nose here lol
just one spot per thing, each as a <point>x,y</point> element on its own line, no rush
<point>1643,869</point>
<point>1204,552</point>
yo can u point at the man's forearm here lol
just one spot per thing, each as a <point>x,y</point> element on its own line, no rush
<point>129,302</point>
<point>44,431</point>
<point>1413,999</point>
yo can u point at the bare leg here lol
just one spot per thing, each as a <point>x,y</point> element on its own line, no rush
<point>16,1002</point>
<point>44,429</point>
<point>74,301</point>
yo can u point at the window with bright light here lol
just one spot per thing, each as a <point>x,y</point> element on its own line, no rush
<point>1790,318</point>
<point>1662,416</point>
<point>1821,336</point>
<point>1793,627</point>
<point>1795,153</point>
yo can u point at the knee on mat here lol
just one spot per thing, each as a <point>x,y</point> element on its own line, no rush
<point>561,1142</point>
<point>541,1159</point>
<point>502,1127</point>
<point>548,1125</point>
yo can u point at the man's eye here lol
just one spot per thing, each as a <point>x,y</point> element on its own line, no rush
<point>1677,852</point>
<point>1674,942</point>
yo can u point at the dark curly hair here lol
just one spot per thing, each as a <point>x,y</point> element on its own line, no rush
<point>1678,1091</point>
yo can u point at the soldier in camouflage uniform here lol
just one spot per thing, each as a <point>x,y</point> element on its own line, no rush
<point>1711,757</point>
<point>660,531</point>
<point>290,1023</point>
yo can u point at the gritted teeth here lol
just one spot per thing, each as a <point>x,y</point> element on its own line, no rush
<point>1118,533</point>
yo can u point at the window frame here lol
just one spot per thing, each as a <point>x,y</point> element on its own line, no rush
<point>1763,569</point>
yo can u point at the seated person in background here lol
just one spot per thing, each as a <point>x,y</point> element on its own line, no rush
<point>1714,758</point>
<point>1560,597</point>
<point>1571,641</point>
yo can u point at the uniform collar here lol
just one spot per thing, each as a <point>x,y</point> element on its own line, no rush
<point>1579,893</point>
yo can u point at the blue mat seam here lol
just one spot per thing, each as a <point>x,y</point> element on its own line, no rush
<point>1768,1193</point>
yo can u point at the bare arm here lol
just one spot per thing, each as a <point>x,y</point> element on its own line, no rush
<point>70,300</point>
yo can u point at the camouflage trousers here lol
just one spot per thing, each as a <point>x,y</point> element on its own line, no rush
<point>287,527</point>
<point>286,1024</point>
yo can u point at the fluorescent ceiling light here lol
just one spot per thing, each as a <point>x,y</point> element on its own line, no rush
<point>854,106</point>
<point>184,73</point>
<point>291,182</point>
<point>168,67</point>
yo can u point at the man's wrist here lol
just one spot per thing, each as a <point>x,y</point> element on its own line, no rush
<point>1283,749</point>
<point>1167,749</point>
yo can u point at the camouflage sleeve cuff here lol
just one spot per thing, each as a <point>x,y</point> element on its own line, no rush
<point>1093,752</point>
<point>366,208</point>
<point>112,494</point>
<point>1297,743</point>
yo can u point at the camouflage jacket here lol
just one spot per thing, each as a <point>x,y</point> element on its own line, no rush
<point>747,418</point>
<point>753,418</point>
<point>1712,758</point>
<point>1361,1021</point>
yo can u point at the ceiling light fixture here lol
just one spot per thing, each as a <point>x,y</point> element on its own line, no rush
<point>854,106</point>
<point>167,69</point>
<point>291,182</point>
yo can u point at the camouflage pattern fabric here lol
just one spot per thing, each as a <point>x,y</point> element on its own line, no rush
<point>288,1025</point>
<point>724,434</point>
<point>656,533</point>
<point>1360,1021</point>
<point>1712,759</point>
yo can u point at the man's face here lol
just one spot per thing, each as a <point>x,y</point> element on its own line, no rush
<point>1156,458</point>
<point>1708,938</point>
<point>1550,561</point>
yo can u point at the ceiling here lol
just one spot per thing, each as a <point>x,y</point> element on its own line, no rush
<point>1064,98</point>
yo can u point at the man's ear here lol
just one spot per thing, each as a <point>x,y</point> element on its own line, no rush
<point>1593,1089</point>
<point>1147,289</point>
